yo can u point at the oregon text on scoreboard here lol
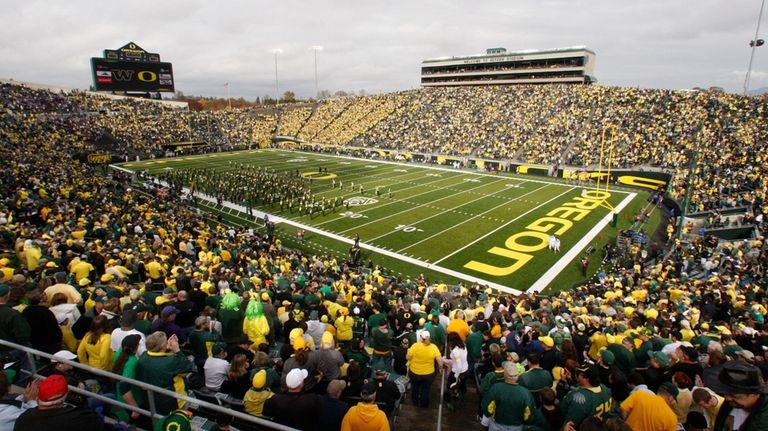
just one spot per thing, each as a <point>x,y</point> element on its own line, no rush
<point>131,69</point>
<point>574,65</point>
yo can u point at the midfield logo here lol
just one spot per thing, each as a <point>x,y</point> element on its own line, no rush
<point>359,201</point>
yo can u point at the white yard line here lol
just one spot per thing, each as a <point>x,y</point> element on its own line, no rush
<point>504,225</point>
<point>434,266</point>
<point>416,207</point>
<point>467,220</point>
<point>481,174</point>
<point>394,201</point>
<point>553,271</point>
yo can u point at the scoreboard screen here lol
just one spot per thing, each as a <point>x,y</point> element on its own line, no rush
<point>139,76</point>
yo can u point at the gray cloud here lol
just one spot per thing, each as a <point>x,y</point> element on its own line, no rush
<point>378,46</point>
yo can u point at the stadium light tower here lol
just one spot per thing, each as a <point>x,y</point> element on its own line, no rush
<point>754,43</point>
<point>317,89</point>
<point>277,85</point>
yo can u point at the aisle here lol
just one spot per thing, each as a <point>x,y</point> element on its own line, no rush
<point>412,418</point>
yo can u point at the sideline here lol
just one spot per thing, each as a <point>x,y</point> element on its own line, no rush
<point>571,254</point>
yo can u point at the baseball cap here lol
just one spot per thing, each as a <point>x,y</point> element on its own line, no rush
<point>295,378</point>
<point>607,356</point>
<point>589,371</point>
<point>52,390</point>
<point>368,390</point>
<point>547,341</point>
<point>178,420</point>
<point>64,354</point>
<point>424,335</point>
<point>670,388</point>
<point>660,357</point>
<point>218,348</point>
<point>4,289</point>
<point>169,310</point>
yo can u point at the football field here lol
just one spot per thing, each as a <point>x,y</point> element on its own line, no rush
<point>457,224</point>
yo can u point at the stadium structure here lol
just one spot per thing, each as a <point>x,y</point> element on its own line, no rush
<point>571,65</point>
<point>630,216</point>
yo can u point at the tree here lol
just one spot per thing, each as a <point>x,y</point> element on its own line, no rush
<point>324,94</point>
<point>340,93</point>
<point>289,97</point>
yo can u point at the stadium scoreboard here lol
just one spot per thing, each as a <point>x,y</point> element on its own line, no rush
<point>131,69</point>
<point>572,65</point>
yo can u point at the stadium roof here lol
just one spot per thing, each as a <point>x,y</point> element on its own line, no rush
<point>519,52</point>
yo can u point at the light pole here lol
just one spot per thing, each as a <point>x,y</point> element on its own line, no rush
<point>754,44</point>
<point>317,89</point>
<point>277,86</point>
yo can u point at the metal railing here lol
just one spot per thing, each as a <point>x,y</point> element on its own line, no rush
<point>150,390</point>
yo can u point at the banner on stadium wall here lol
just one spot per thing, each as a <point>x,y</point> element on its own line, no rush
<point>485,164</point>
<point>644,179</point>
<point>95,158</point>
<point>529,169</point>
<point>442,160</point>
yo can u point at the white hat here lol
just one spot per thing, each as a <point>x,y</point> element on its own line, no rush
<point>424,335</point>
<point>295,378</point>
<point>64,354</point>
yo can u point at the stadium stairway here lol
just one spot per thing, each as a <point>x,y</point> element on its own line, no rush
<point>462,418</point>
<point>565,153</point>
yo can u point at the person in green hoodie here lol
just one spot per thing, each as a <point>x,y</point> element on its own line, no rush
<point>164,365</point>
<point>508,404</point>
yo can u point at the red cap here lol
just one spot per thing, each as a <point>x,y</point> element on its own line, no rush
<point>52,390</point>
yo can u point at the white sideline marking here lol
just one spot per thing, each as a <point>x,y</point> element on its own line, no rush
<point>550,275</point>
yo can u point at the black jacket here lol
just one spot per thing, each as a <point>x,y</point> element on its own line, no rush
<point>61,419</point>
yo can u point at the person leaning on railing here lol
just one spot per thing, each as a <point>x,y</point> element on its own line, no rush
<point>164,365</point>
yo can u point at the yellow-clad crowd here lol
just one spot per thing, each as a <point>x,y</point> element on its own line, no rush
<point>90,260</point>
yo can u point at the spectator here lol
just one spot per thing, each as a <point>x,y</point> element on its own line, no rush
<point>52,413</point>
<point>11,409</point>
<point>295,408</point>
<point>332,409</point>
<point>45,333</point>
<point>647,411</point>
<point>238,378</point>
<point>366,414</point>
<point>162,365</point>
<point>257,395</point>
<point>125,363</point>
<point>588,398</point>
<point>95,350</point>
<point>745,393</point>
<point>422,357</point>
<point>216,367</point>
<point>508,404</point>
<point>127,327</point>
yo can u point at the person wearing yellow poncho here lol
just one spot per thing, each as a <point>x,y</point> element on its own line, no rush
<point>255,325</point>
<point>344,324</point>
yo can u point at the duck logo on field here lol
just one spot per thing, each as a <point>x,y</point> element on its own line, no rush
<point>360,201</point>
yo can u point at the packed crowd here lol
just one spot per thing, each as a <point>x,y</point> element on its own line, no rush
<point>136,283</point>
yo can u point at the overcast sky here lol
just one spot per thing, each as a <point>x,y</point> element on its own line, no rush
<point>378,46</point>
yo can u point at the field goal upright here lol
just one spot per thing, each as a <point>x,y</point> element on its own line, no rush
<point>607,145</point>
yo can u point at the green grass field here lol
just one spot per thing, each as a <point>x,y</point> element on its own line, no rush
<point>452,225</point>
